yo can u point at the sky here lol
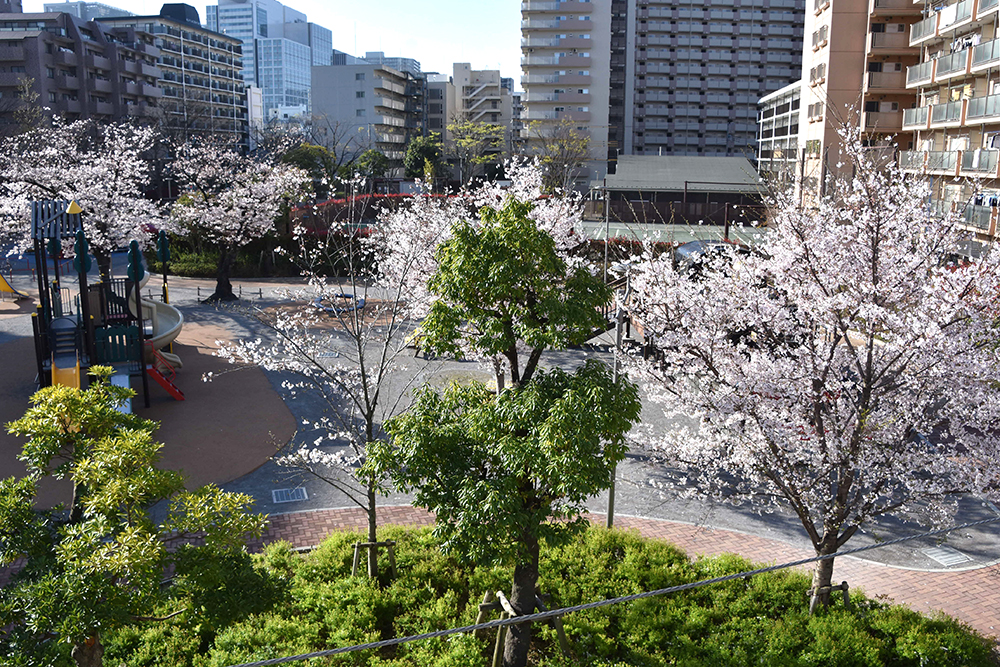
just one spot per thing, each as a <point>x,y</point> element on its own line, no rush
<point>438,33</point>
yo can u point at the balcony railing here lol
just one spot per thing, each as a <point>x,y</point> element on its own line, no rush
<point>983,107</point>
<point>882,120</point>
<point>911,160</point>
<point>987,6</point>
<point>963,11</point>
<point>915,117</point>
<point>978,216</point>
<point>886,80</point>
<point>942,160</point>
<point>986,54</point>
<point>920,74</point>
<point>923,30</point>
<point>947,113</point>
<point>889,40</point>
<point>980,161</point>
<point>956,63</point>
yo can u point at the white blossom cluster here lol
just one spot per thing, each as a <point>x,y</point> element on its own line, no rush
<point>844,369</point>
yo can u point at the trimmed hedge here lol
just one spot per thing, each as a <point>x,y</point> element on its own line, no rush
<point>310,602</point>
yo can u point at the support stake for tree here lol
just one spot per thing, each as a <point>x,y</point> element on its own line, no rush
<point>498,647</point>
<point>488,604</point>
<point>815,594</point>
<point>390,545</point>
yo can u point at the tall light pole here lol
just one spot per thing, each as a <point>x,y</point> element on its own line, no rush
<point>619,320</point>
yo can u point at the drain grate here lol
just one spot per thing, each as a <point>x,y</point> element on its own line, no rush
<point>289,495</point>
<point>946,555</point>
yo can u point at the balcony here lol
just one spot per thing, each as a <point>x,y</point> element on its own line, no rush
<point>97,61</point>
<point>948,115</point>
<point>912,161</point>
<point>67,82</point>
<point>980,163</point>
<point>943,162</point>
<point>892,8</point>
<point>982,109</point>
<point>883,121</point>
<point>549,6</point>
<point>916,119</point>
<point>101,85</point>
<point>985,55</point>
<point>67,58</point>
<point>986,7</point>
<point>924,30</point>
<point>950,66</point>
<point>569,23</point>
<point>978,217</point>
<point>150,70</point>
<point>889,42</point>
<point>884,82</point>
<point>820,5</point>
<point>962,14</point>
<point>103,108</point>
<point>11,53</point>
<point>920,75</point>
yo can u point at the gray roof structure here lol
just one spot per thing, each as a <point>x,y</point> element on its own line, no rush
<point>678,173</point>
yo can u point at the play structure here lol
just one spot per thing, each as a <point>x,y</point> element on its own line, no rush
<point>338,304</point>
<point>108,323</point>
<point>6,288</point>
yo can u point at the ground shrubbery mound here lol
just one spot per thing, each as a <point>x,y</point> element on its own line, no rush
<point>302,603</point>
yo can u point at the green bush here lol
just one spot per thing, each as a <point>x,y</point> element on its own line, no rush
<point>310,602</point>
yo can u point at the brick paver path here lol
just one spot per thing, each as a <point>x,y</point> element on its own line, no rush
<point>970,595</point>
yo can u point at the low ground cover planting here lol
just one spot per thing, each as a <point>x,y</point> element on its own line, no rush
<point>284,603</point>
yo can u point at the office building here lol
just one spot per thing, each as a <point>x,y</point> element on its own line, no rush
<point>79,69</point>
<point>280,47</point>
<point>88,11</point>
<point>651,77</point>
<point>199,72</point>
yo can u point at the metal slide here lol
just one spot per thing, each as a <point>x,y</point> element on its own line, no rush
<point>7,289</point>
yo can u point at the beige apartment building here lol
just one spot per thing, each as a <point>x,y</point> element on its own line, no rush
<point>956,123</point>
<point>855,58</point>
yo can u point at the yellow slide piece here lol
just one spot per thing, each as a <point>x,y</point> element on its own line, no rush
<point>5,287</point>
<point>68,376</point>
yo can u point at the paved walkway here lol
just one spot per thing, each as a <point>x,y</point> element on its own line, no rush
<point>972,596</point>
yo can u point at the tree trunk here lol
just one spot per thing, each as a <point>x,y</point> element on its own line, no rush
<point>224,288</point>
<point>103,263</point>
<point>372,525</point>
<point>823,574</point>
<point>89,653</point>
<point>522,598</point>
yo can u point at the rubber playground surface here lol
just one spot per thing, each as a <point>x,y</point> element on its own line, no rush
<point>221,431</point>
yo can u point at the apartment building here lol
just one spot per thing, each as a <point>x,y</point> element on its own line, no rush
<point>654,77</point>
<point>956,122</point>
<point>280,47</point>
<point>79,69</point>
<point>855,57</point>
<point>778,140</point>
<point>372,106</point>
<point>198,72</point>
<point>407,65</point>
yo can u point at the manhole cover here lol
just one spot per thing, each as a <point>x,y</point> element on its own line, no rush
<point>946,555</point>
<point>288,495</point>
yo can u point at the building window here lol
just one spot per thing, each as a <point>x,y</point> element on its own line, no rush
<point>52,96</point>
<point>50,72</point>
<point>18,69</point>
<point>359,76</point>
<point>359,94</point>
<point>359,112</point>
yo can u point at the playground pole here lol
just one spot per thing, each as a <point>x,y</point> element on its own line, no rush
<point>135,273</point>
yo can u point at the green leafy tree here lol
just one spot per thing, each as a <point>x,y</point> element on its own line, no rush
<point>505,290</point>
<point>319,162</point>
<point>421,152</point>
<point>474,144</point>
<point>372,164</point>
<point>103,562</point>
<point>505,472</point>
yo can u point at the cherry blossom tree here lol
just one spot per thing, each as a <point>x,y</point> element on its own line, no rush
<point>231,199</point>
<point>103,167</point>
<point>844,370</point>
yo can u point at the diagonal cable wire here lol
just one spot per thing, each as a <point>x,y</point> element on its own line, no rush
<point>553,613</point>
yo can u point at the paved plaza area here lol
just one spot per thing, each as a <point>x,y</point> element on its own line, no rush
<point>227,430</point>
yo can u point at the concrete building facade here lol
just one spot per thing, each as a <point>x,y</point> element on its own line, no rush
<point>956,121</point>
<point>778,140</point>
<point>373,106</point>
<point>655,77</point>
<point>198,72</point>
<point>280,47</point>
<point>856,53</point>
<point>79,69</point>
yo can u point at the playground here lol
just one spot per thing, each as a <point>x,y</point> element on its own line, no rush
<point>70,319</point>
